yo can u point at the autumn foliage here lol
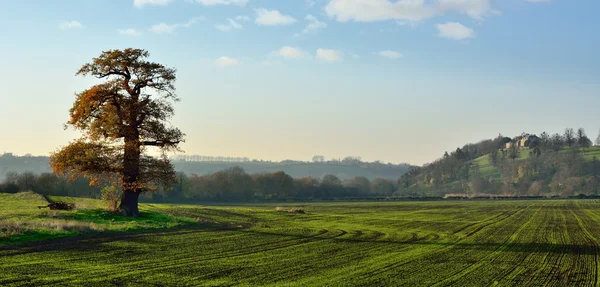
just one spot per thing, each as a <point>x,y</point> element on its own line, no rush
<point>120,119</point>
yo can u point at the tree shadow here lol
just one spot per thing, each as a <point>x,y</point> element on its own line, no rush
<point>92,241</point>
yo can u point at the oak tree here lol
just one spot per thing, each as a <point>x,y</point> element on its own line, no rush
<point>120,119</point>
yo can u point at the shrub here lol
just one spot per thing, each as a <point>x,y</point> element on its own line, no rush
<point>9,187</point>
<point>111,195</point>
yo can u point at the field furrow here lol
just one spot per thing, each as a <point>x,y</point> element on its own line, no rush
<point>487,243</point>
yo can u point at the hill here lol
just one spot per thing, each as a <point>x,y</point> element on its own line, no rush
<point>527,165</point>
<point>39,164</point>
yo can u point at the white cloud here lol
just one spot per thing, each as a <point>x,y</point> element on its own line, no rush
<point>272,17</point>
<point>404,10</point>
<point>166,28</point>
<point>455,31</point>
<point>291,53</point>
<point>226,62</point>
<point>220,2</point>
<point>142,3</point>
<point>70,25</point>
<point>390,54</point>
<point>130,32</point>
<point>242,18</point>
<point>314,24</point>
<point>329,55</point>
<point>226,27</point>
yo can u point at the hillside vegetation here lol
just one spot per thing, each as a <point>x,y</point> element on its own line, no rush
<point>489,171</point>
<point>549,166</point>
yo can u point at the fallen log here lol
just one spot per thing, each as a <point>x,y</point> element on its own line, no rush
<point>59,205</point>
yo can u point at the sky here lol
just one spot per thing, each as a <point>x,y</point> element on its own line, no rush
<point>396,81</point>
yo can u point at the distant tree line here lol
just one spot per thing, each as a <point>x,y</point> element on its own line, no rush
<point>204,158</point>
<point>48,184</point>
<point>317,159</point>
<point>235,185</point>
<point>229,185</point>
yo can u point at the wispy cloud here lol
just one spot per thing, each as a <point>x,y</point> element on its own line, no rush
<point>227,62</point>
<point>329,55</point>
<point>242,18</point>
<point>290,53</point>
<point>272,17</point>
<point>313,25</point>
<point>66,25</point>
<point>142,3</point>
<point>455,31</point>
<point>162,28</point>
<point>405,10</point>
<point>230,26</point>
<point>220,2</point>
<point>130,32</point>
<point>270,63</point>
<point>390,54</point>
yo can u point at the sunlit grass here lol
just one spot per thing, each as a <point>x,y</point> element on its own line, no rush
<point>22,221</point>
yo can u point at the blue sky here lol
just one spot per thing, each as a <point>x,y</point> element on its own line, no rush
<point>397,81</point>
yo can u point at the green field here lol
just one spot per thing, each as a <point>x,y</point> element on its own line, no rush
<point>450,243</point>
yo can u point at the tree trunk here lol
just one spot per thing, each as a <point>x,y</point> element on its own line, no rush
<point>129,203</point>
<point>131,173</point>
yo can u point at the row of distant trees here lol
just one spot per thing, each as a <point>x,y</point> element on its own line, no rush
<point>229,185</point>
<point>570,138</point>
<point>317,159</point>
<point>234,184</point>
<point>546,143</point>
<point>48,184</point>
<point>204,158</point>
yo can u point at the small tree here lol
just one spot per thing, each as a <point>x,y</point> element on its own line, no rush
<point>360,184</point>
<point>582,140</point>
<point>381,186</point>
<point>557,142</point>
<point>598,140</point>
<point>545,141</point>
<point>318,159</point>
<point>493,158</point>
<point>111,194</point>
<point>569,136</point>
<point>513,152</point>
